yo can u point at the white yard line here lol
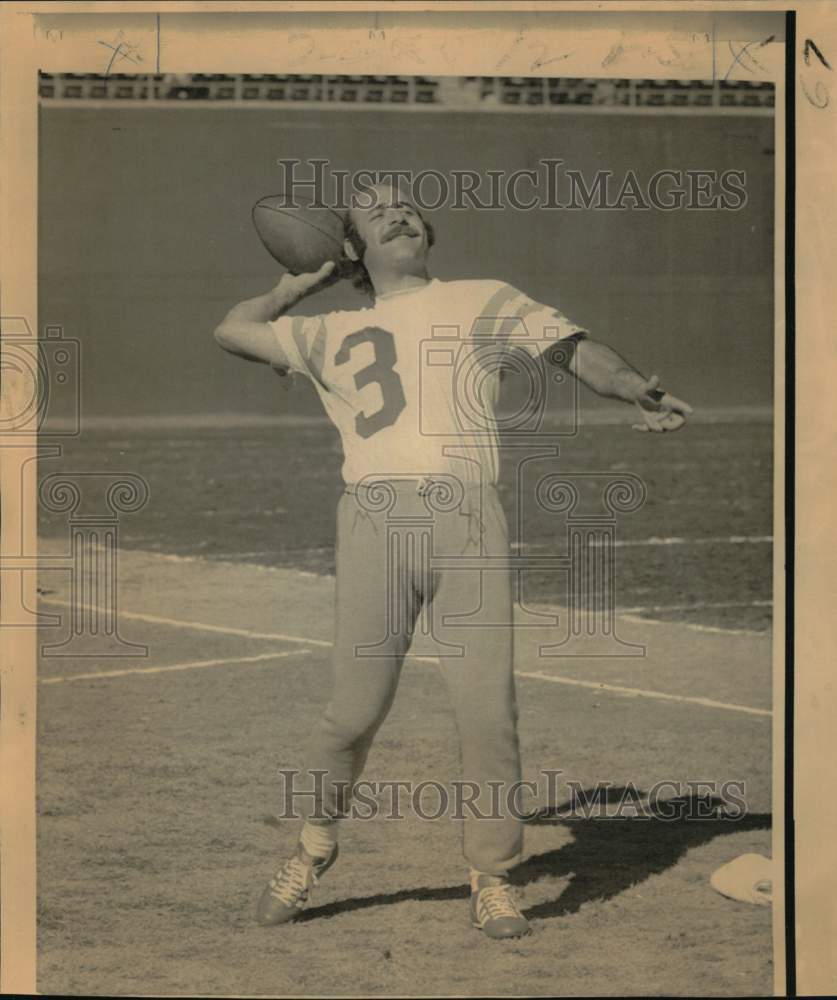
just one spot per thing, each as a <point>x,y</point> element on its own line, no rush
<point>700,606</point>
<point>192,665</point>
<point>281,636</point>
<point>244,633</point>
<point>710,540</point>
<point>627,543</point>
<point>692,626</point>
<point>642,693</point>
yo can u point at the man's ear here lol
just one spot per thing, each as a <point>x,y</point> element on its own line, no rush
<point>350,251</point>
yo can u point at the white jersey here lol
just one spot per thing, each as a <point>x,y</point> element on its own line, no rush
<point>411,383</point>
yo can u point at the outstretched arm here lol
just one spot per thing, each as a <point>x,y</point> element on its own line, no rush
<point>608,374</point>
<point>245,330</point>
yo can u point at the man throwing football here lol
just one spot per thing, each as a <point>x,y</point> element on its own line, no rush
<point>411,460</point>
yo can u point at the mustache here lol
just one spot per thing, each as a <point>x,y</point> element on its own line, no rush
<point>399,229</point>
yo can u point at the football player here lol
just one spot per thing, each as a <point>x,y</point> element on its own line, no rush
<point>420,471</point>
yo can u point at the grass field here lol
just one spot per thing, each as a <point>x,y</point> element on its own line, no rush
<point>157,776</point>
<point>699,550</point>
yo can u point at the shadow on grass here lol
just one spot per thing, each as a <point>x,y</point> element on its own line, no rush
<point>606,856</point>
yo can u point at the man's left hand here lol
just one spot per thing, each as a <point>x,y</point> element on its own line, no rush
<point>660,411</point>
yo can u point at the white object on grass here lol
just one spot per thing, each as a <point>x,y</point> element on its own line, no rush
<point>748,878</point>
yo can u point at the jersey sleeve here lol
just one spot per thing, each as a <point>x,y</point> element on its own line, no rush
<point>302,341</point>
<point>520,322</point>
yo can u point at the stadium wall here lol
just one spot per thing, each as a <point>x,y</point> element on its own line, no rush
<point>145,240</point>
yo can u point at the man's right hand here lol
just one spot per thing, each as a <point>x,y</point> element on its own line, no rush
<point>245,330</point>
<point>292,288</point>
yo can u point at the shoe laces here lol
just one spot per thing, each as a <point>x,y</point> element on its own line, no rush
<point>290,884</point>
<point>496,901</point>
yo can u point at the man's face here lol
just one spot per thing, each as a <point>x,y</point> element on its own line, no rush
<point>392,230</point>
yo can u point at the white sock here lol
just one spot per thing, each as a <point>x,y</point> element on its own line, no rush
<point>476,874</point>
<point>318,839</point>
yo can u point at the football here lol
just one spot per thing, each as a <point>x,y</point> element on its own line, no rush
<point>300,237</point>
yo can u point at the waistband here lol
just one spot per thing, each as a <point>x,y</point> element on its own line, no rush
<point>408,498</point>
<point>421,486</point>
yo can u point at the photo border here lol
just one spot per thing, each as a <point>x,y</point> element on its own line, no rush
<point>30,42</point>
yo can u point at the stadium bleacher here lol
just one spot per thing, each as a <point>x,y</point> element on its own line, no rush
<point>474,93</point>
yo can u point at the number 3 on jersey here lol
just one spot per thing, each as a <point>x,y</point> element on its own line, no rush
<point>381,372</point>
